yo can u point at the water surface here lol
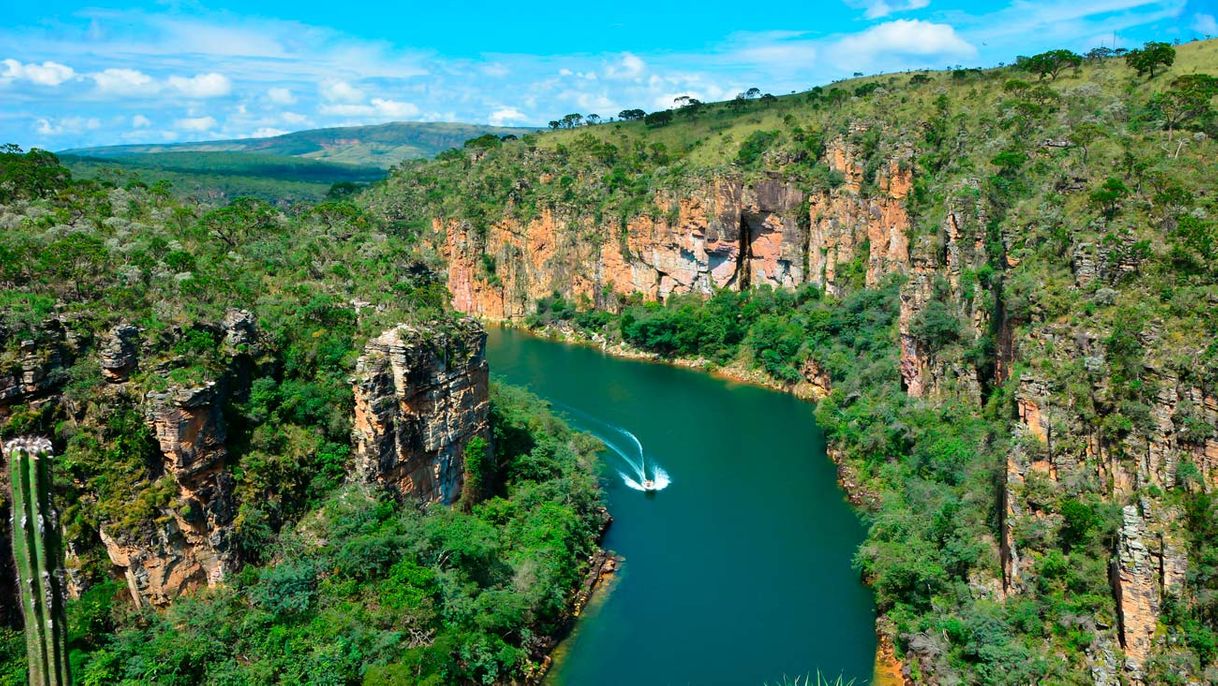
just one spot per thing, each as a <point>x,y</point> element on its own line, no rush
<point>739,571</point>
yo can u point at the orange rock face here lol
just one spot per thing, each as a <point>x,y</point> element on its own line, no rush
<point>188,547</point>
<point>420,397</point>
<point>721,234</point>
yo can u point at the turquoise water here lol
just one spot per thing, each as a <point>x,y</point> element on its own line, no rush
<point>737,572</point>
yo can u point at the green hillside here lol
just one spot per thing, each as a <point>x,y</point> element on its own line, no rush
<point>381,145</point>
<point>220,175</point>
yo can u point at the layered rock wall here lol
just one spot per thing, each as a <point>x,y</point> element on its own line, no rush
<point>421,395</point>
<point>725,233</point>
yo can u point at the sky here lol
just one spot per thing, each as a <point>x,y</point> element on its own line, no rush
<point>155,71</point>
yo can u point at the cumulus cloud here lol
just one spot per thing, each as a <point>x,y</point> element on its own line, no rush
<point>45,74</point>
<point>210,85</point>
<point>874,9</point>
<point>197,124</point>
<point>267,132</point>
<point>378,108</point>
<point>123,82</point>
<point>139,121</point>
<point>1205,24</point>
<point>507,115</point>
<point>293,118</point>
<point>281,96</point>
<point>903,39</point>
<point>628,66</point>
<point>341,91</point>
<point>67,125</point>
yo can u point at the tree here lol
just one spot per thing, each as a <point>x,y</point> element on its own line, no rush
<point>1100,53</point>
<point>631,115</point>
<point>571,121</point>
<point>1109,195</point>
<point>656,119</point>
<point>936,326</point>
<point>1084,134</point>
<point>32,174</point>
<point>1188,99</point>
<point>1152,55</point>
<point>752,93</point>
<point>1051,63</point>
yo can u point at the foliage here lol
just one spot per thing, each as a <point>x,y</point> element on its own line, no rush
<point>1151,56</point>
<point>373,589</point>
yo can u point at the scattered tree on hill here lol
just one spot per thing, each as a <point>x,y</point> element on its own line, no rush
<point>752,93</point>
<point>1084,134</point>
<point>1151,56</point>
<point>631,115</point>
<point>1109,195</point>
<point>656,119</point>
<point>918,79</point>
<point>1050,63</point>
<point>1100,53</point>
<point>592,119</point>
<point>1187,100</point>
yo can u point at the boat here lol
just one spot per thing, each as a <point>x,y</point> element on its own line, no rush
<point>649,485</point>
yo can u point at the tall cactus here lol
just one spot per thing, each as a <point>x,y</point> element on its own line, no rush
<point>37,550</point>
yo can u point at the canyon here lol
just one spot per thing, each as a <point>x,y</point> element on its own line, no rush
<point>733,233</point>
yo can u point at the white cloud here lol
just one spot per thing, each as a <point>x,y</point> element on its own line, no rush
<point>45,74</point>
<point>379,108</point>
<point>195,124</point>
<point>124,82</point>
<point>281,96</point>
<point>267,132</point>
<point>874,9</point>
<point>628,66</point>
<point>1205,24</point>
<point>67,125</point>
<point>210,85</point>
<point>341,91</point>
<point>293,118</point>
<point>506,115</point>
<point>139,121</point>
<point>394,108</point>
<point>902,39</point>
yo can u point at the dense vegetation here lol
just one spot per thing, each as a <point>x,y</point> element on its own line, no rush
<point>368,589</point>
<point>222,176</point>
<point>1057,159</point>
<point>343,583</point>
<point>1090,181</point>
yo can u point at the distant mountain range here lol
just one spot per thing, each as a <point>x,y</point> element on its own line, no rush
<point>380,145</point>
<point>295,166</point>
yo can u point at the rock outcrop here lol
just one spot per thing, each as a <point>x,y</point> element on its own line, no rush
<point>118,354</point>
<point>190,544</point>
<point>421,395</point>
<point>722,233</point>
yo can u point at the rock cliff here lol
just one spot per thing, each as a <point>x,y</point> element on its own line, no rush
<point>421,395</point>
<point>189,545</point>
<point>954,261</point>
<point>724,232</point>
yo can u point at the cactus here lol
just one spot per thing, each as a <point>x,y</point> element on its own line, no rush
<point>38,553</point>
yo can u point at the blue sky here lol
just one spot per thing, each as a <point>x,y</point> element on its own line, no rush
<point>74,74</point>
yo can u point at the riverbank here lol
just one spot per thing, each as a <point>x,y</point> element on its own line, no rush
<point>602,566</point>
<point>888,671</point>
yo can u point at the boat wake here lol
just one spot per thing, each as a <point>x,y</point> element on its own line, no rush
<point>635,472</point>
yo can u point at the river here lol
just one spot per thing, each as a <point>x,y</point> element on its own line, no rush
<point>738,572</point>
